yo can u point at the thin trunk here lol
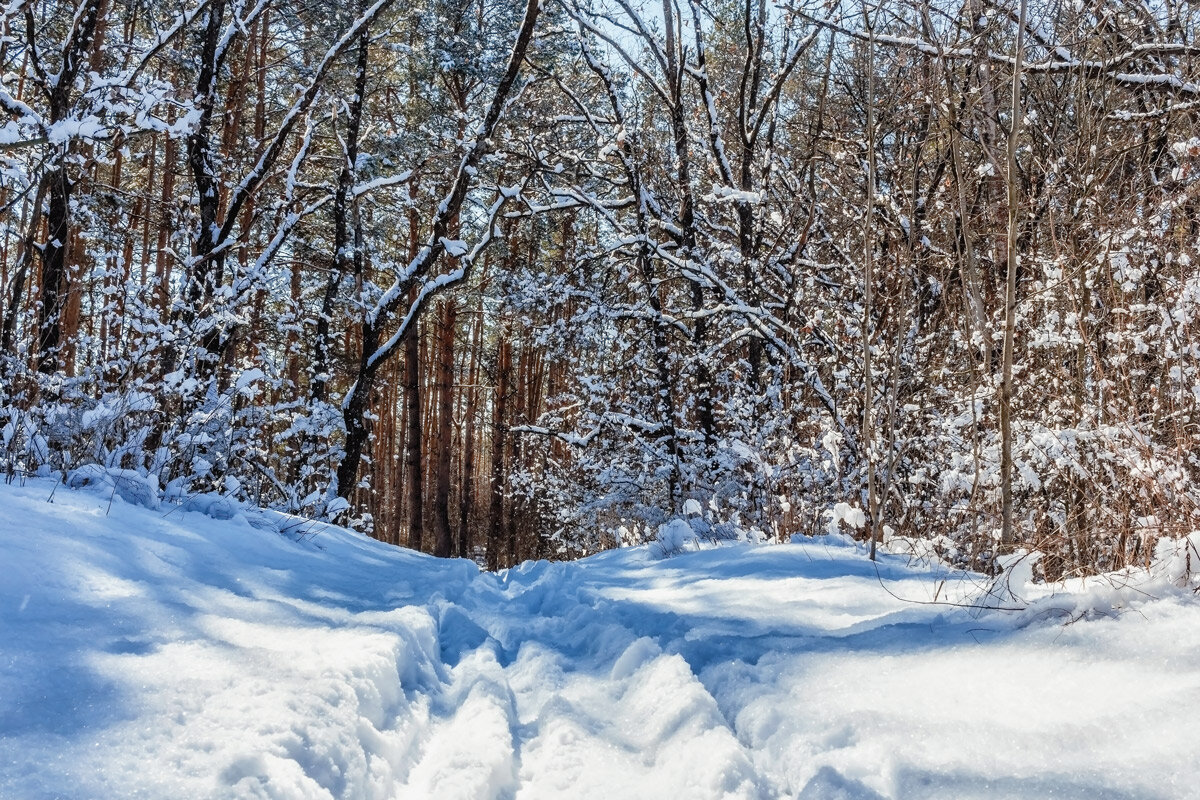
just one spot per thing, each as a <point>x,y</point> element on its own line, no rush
<point>442,536</point>
<point>496,557</point>
<point>144,208</point>
<point>413,472</point>
<point>166,226</point>
<point>347,257</point>
<point>206,267</point>
<point>21,271</point>
<point>54,270</point>
<point>55,283</point>
<point>467,483</point>
<point>1007,534</point>
<point>519,414</point>
<point>868,290</point>
<point>686,219</point>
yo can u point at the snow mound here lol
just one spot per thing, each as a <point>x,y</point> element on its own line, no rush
<point>676,535</point>
<point>212,505</point>
<point>223,507</point>
<point>132,487</point>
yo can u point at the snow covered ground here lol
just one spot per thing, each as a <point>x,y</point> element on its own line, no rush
<point>166,654</point>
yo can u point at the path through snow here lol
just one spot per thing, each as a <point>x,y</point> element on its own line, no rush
<point>164,654</point>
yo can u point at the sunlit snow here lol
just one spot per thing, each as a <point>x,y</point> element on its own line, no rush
<point>166,654</point>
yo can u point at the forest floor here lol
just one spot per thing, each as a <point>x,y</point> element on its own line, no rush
<point>166,654</point>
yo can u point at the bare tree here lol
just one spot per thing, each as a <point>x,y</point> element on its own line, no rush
<point>1007,535</point>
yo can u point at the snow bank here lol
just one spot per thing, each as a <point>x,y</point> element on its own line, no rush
<point>169,654</point>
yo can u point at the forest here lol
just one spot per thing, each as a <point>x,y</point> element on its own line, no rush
<point>512,280</point>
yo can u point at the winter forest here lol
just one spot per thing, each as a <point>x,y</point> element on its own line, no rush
<point>530,280</point>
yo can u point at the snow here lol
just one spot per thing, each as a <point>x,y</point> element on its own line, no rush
<point>250,377</point>
<point>166,653</point>
<point>844,512</point>
<point>454,247</point>
<point>675,535</point>
<point>111,482</point>
<point>68,129</point>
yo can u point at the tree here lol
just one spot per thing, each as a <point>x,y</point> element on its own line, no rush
<point>1007,535</point>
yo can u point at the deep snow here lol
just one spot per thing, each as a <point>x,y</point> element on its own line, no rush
<point>166,654</point>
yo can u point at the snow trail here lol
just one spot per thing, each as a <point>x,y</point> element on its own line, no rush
<point>168,654</point>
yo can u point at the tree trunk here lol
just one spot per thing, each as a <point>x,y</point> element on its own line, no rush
<point>347,257</point>
<point>413,470</point>
<point>868,433</point>
<point>470,409</point>
<point>442,537</point>
<point>1007,534</point>
<point>55,280</point>
<point>496,556</point>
